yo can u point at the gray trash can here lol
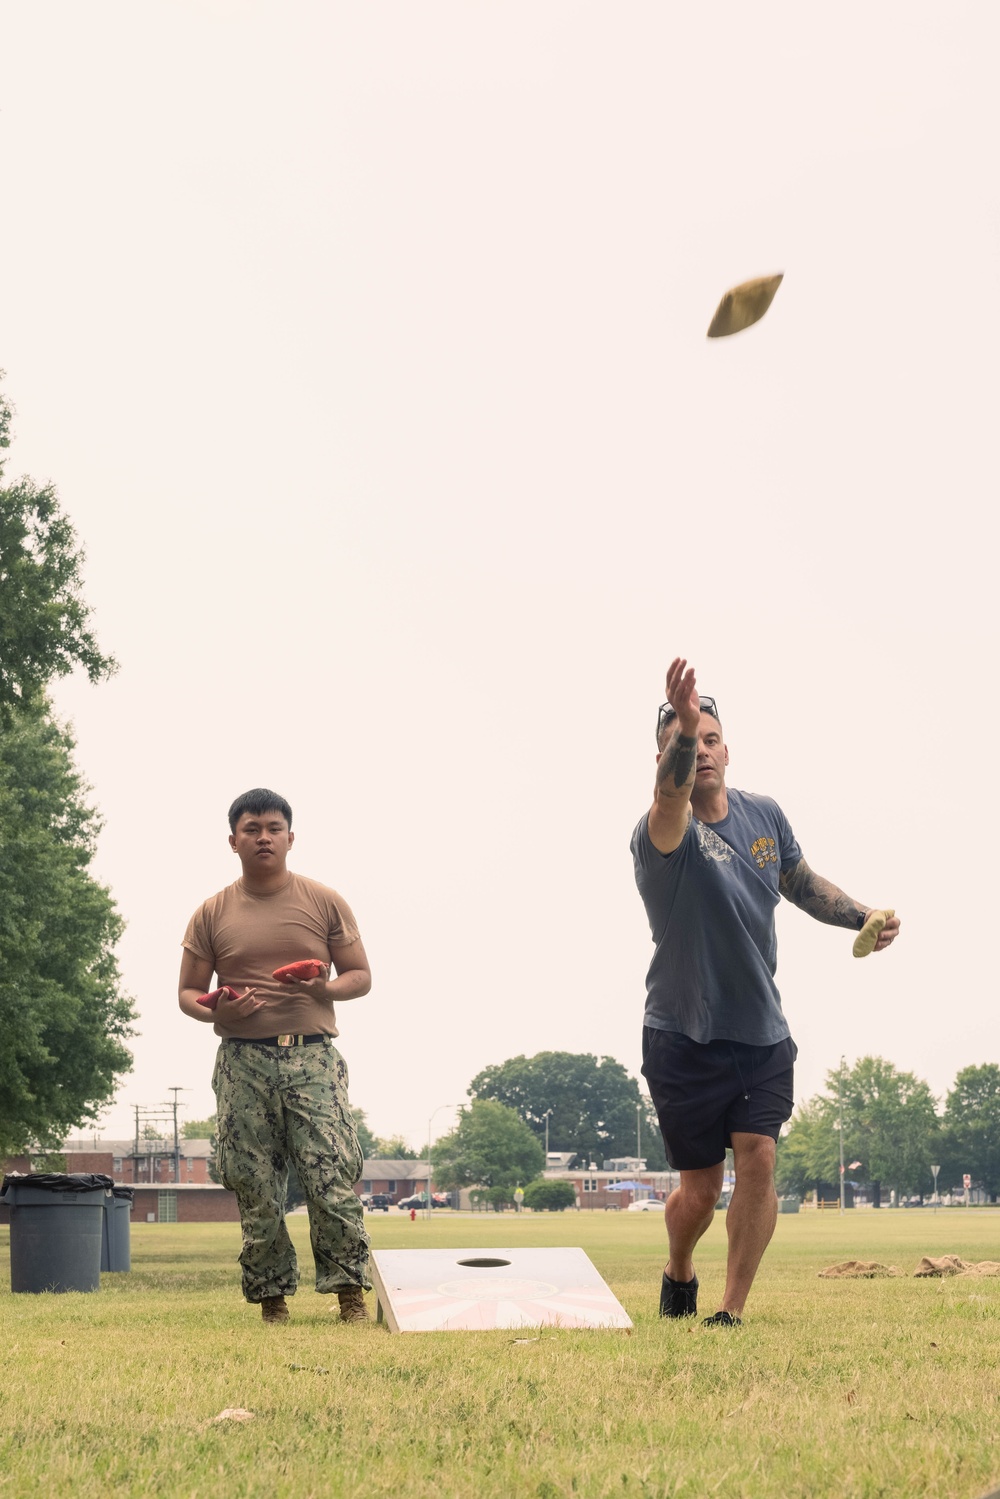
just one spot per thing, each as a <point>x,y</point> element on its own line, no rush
<point>56,1223</point>
<point>116,1248</point>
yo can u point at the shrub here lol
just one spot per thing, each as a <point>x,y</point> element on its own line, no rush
<point>550,1196</point>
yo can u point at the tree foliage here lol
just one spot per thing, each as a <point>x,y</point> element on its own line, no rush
<point>809,1153</point>
<point>394,1148</point>
<point>971,1137</point>
<point>199,1129</point>
<point>593,1103</point>
<point>890,1125</point>
<point>366,1139</point>
<point>63,1015</point>
<point>489,1147</point>
<point>550,1196</point>
<point>44,622</point>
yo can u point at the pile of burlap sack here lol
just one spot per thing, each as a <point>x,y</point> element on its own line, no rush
<point>947,1264</point>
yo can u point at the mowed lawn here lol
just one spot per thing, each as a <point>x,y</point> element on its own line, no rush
<point>856,1388</point>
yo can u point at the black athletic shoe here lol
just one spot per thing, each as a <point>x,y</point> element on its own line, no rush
<point>678,1298</point>
<point>722,1319</point>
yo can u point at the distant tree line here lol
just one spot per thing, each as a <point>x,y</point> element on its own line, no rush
<point>893,1133</point>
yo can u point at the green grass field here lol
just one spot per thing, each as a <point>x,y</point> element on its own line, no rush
<point>854,1388</point>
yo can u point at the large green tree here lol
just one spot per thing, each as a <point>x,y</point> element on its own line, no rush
<point>971,1137</point>
<point>890,1126</point>
<point>63,1015</point>
<point>44,622</point>
<point>808,1154</point>
<point>489,1147</point>
<point>591,1101</point>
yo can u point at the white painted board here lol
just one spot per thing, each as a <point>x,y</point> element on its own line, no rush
<point>453,1290</point>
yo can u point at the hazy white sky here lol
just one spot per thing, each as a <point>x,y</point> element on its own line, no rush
<point>366,346</point>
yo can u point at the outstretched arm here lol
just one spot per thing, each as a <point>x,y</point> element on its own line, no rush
<point>677,762</point>
<point>826,902</point>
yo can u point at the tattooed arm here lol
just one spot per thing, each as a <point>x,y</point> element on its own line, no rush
<point>820,898</point>
<point>824,901</point>
<point>676,763</point>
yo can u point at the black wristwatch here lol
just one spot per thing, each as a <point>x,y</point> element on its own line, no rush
<point>862,918</point>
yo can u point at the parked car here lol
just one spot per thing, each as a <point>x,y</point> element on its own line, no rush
<point>418,1201</point>
<point>646,1205</point>
<point>378,1202</point>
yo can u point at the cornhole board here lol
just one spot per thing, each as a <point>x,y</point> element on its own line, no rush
<point>472,1290</point>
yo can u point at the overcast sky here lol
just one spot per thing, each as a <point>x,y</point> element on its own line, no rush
<point>366,347</point>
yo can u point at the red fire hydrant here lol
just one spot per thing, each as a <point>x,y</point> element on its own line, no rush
<point>413,1215</point>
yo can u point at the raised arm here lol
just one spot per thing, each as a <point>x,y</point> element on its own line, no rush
<point>677,762</point>
<point>826,902</point>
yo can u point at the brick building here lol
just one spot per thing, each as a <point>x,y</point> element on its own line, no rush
<point>396,1179</point>
<point>134,1162</point>
<point>185,1203</point>
<point>159,1198</point>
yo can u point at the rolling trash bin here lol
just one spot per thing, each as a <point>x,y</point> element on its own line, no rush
<point>116,1248</point>
<point>56,1223</point>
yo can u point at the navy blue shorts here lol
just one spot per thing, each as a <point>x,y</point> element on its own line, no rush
<point>705,1092</point>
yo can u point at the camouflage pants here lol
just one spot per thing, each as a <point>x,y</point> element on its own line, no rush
<point>277,1106</point>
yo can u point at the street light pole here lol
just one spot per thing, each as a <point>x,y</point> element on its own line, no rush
<point>546,1117</point>
<point>840,1130</point>
<point>638,1133</point>
<point>430,1121</point>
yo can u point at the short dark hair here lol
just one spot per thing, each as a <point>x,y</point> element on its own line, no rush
<point>258,801</point>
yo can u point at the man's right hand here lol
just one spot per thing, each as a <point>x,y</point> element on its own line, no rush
<point>682,695</point>
<point>239,1008</point>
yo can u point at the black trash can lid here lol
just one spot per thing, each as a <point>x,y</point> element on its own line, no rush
<point>60,1181</point>
<point>128,1193</point>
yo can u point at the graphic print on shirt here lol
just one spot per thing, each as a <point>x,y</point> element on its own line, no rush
<point>764,851</point>
<point>711,846</point>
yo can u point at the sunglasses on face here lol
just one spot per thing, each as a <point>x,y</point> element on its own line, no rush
<point>668,714</point>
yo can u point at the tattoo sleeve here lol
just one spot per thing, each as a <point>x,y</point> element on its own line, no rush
<point>818,897</point>
<point>677,763</point>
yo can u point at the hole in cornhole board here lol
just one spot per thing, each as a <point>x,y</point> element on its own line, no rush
<point>466,1290</point>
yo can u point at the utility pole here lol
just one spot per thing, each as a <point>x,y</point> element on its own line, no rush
<point>177,1143</point>
<point>547,1113</point>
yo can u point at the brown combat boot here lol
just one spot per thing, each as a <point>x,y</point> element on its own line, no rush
<point>352,1305</point>
<point>274,1309</point>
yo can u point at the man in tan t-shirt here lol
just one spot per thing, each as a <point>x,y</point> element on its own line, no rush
<point>280,1083</point>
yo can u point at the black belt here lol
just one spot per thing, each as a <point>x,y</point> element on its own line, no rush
<point>279,1040</point>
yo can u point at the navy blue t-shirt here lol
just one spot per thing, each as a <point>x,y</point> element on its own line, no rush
<point>711,908</point>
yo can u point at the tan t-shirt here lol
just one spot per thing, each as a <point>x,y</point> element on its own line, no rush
<point>246,936</point>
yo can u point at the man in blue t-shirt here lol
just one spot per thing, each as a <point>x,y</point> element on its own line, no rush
<point>711,865</point>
